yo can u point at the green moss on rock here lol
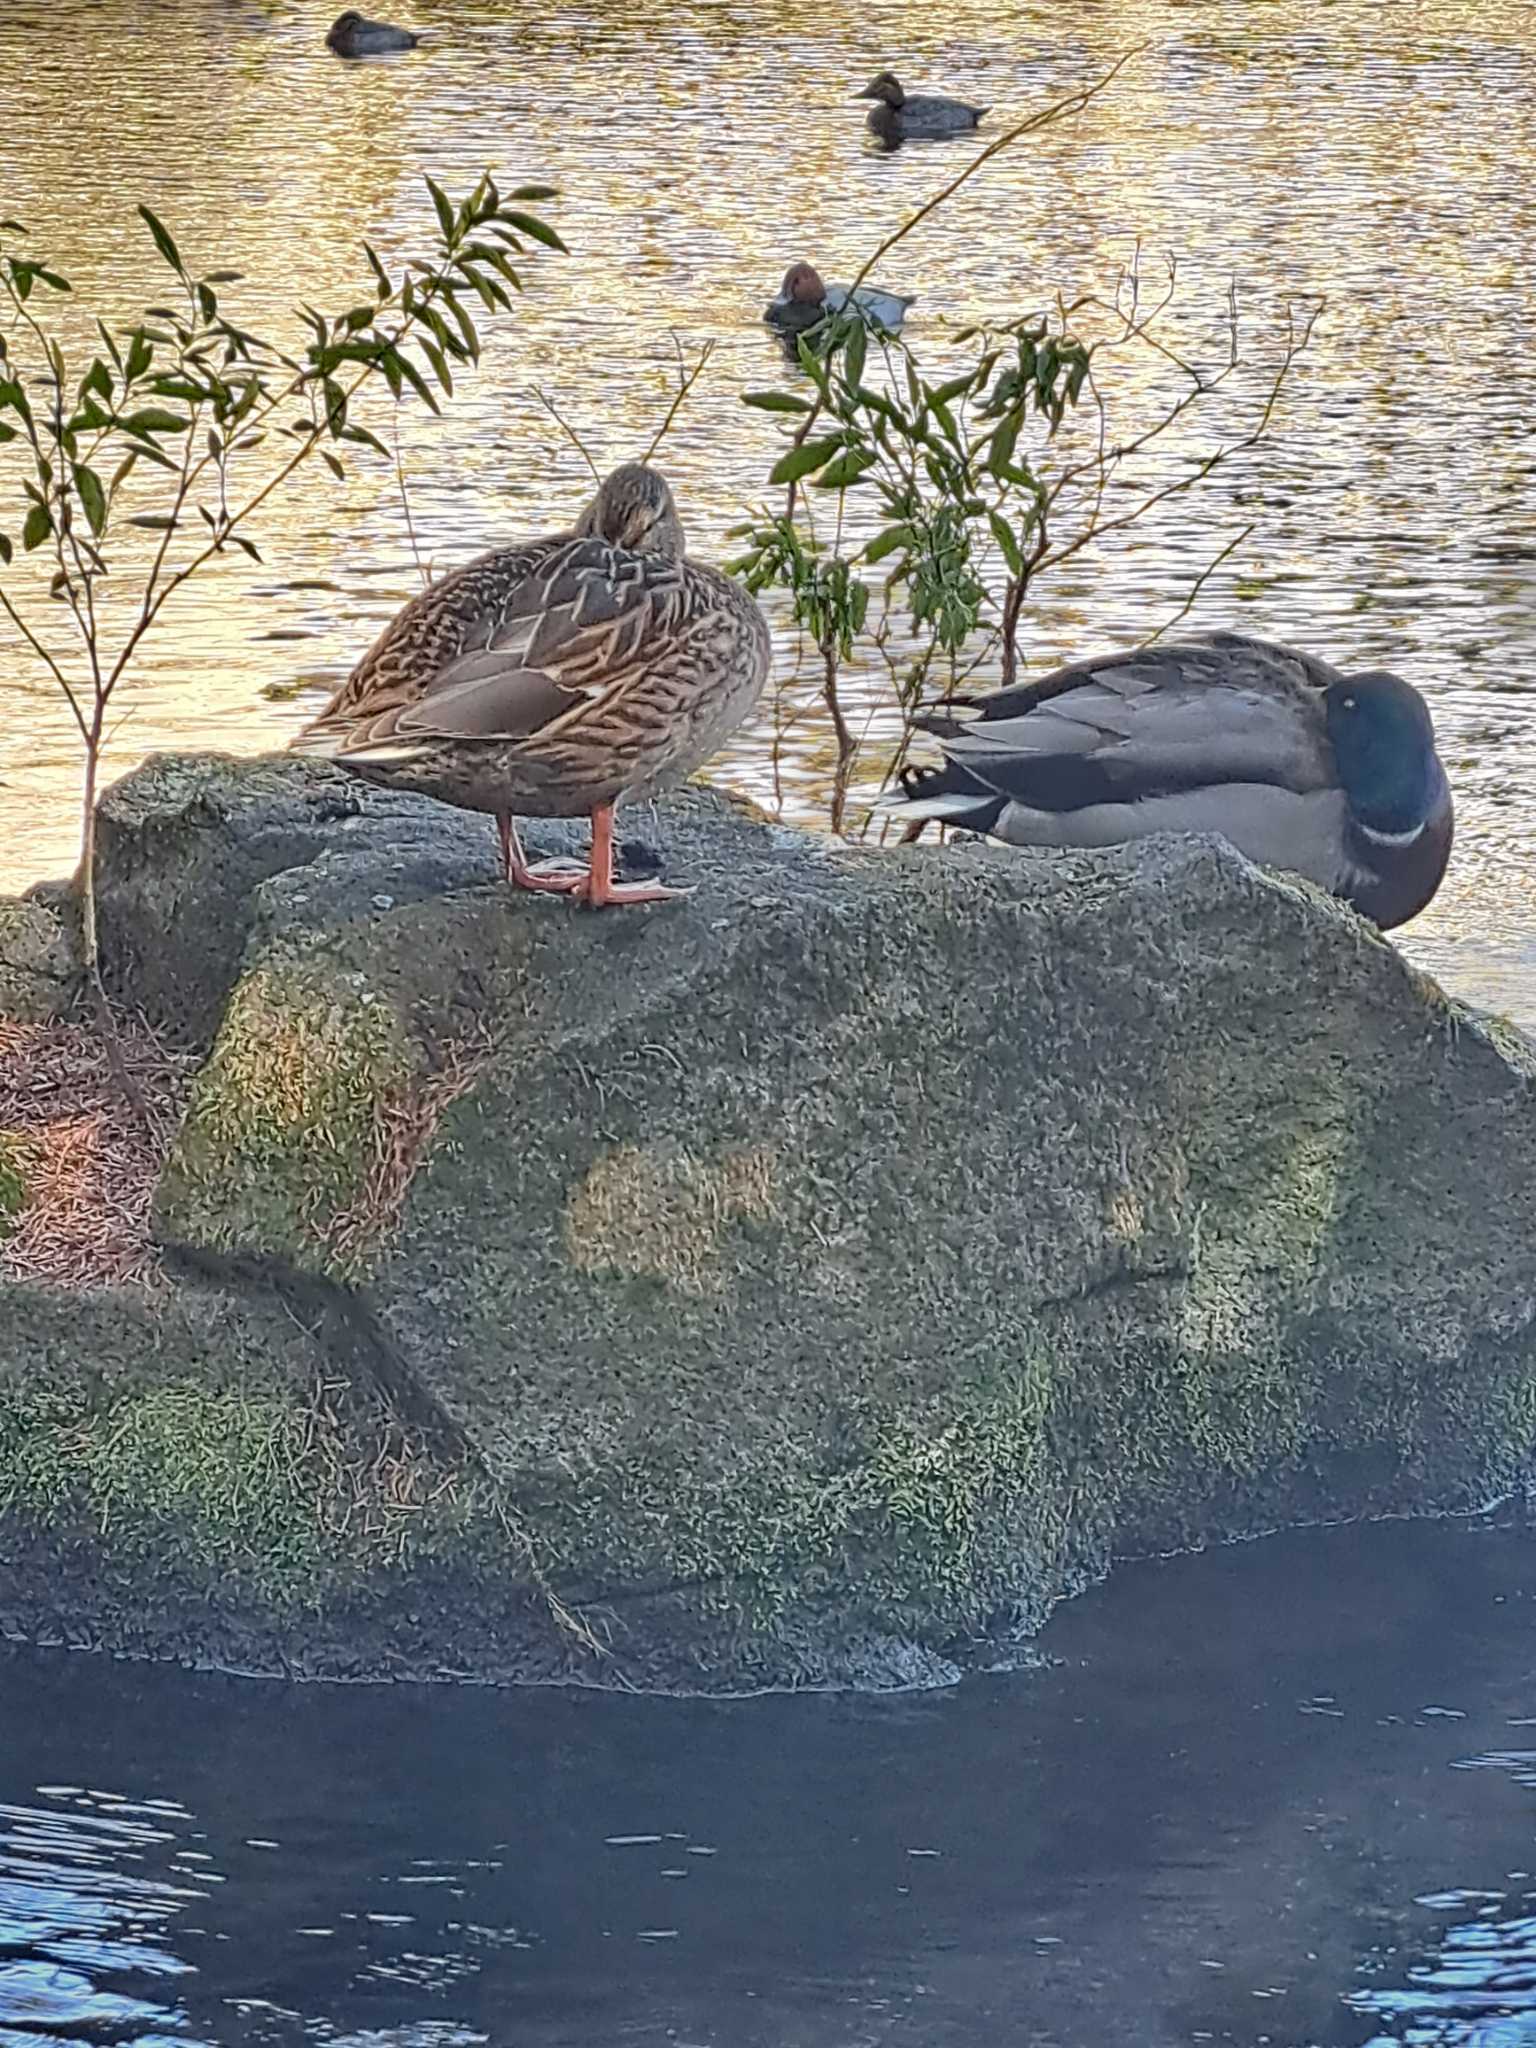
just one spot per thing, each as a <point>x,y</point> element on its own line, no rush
<point>284,1130</point>
<point>15,1159</point>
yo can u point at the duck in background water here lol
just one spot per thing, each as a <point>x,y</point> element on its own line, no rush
<point>1302,768</point>
<point>353,35</point>
<point>897,114</point>
<point>803,302</point>
<point>557,678</point>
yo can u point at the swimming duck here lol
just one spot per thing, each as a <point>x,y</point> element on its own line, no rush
<point>1327,775</point>
<point>896,115</point>
<point>804,301</point>
<point>353,35</point>
<point>557,678</point>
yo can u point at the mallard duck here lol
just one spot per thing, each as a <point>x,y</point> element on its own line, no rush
<point>803,302</point>
<point>556,678</point>
<point>354,35</point>
<point>1330,776</point>
<point>896,114</point>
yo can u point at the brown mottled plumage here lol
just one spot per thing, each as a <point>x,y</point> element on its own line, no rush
<point>557,678</point>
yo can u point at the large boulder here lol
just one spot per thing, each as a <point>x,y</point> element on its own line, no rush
<point>809,1278</point>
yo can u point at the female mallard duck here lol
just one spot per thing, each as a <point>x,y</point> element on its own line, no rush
<point>896,114</point>
<point>555,679</point>
<point>1331,776</point>
<point>354,35</point>
<point>804,302</point>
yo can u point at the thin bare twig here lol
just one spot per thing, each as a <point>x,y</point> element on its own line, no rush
<point>405,504</point>
<point>686,379</point>
<point>568,430</point>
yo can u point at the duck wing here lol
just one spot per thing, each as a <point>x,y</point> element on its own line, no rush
<point>933,110</point>
<point>519,643</point>
<point>1158,722</point>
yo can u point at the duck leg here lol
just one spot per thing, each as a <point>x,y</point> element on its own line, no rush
<point>599,887</point>
<point>547,877</point>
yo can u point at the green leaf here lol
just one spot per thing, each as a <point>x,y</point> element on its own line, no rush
<point>38,526</point>
<point>799,462</point>
<point>139,354</point>
<point>92,497</point>
<point>6,550</point>
<point>52,277</point>
<point>1003,534</point>
<point>414,378</point>
<point>7,434</point>
<point>530,195</point>
<point>1000,450</point>
<point>249,546</point>
<point>332,463</point>
<point>854,352</point>
<point>98,378</point>
<point>364,439</point>
<point>775,401</point>
<point>846,470</point>
<point>224,277</point>
<point>179,387</point>
<point>887,543</point>
<point>163,241</point>
<point>154,419</point>
<point>386,289</point>
<point>536,230</point>
<point>444,206</point>
<point>439,362</point>
<point>154,522</point>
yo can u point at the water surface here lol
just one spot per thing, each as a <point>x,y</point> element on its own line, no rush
<point>1283,1794</point>
<point>1374,158</point>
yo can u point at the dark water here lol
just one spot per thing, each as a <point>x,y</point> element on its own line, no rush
<point>1278,1795</point>
<point>1373,155</point>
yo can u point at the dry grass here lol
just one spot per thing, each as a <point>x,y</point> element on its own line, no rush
<point>88,1161</point>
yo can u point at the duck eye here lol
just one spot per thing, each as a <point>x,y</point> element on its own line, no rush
<point>1350,704</point>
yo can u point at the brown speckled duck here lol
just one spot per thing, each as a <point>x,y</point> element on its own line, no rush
<point>557,678</point>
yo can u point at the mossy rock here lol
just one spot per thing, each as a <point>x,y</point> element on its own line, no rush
<point>15,1164</point>
<point>39,967</point>
<point>868,1248</point>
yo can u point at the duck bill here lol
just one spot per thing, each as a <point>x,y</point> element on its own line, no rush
<point>867,93</point>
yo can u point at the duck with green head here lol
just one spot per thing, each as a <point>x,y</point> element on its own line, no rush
<point>897,114</point>
<point>1301,767</point>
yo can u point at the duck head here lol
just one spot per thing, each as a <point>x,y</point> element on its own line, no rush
<point>634,508</point>
<point>802,286</point>
<point>1384,743</point>
<point>886,87</point>
<point>345,27</point>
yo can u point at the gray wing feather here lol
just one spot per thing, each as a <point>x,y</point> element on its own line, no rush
<point>1164,719</point>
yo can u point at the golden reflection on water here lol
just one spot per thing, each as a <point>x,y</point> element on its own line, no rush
<point>1374,156</point>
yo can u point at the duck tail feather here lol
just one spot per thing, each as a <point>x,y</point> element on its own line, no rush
<point>949,795</point>
<point>319,744</point>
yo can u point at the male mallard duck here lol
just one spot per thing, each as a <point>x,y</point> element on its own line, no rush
<point>896,114</point>
<point>556,678</point>
<point>354,35</point>
<point>804,301</point>
<point>1331,776</point>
